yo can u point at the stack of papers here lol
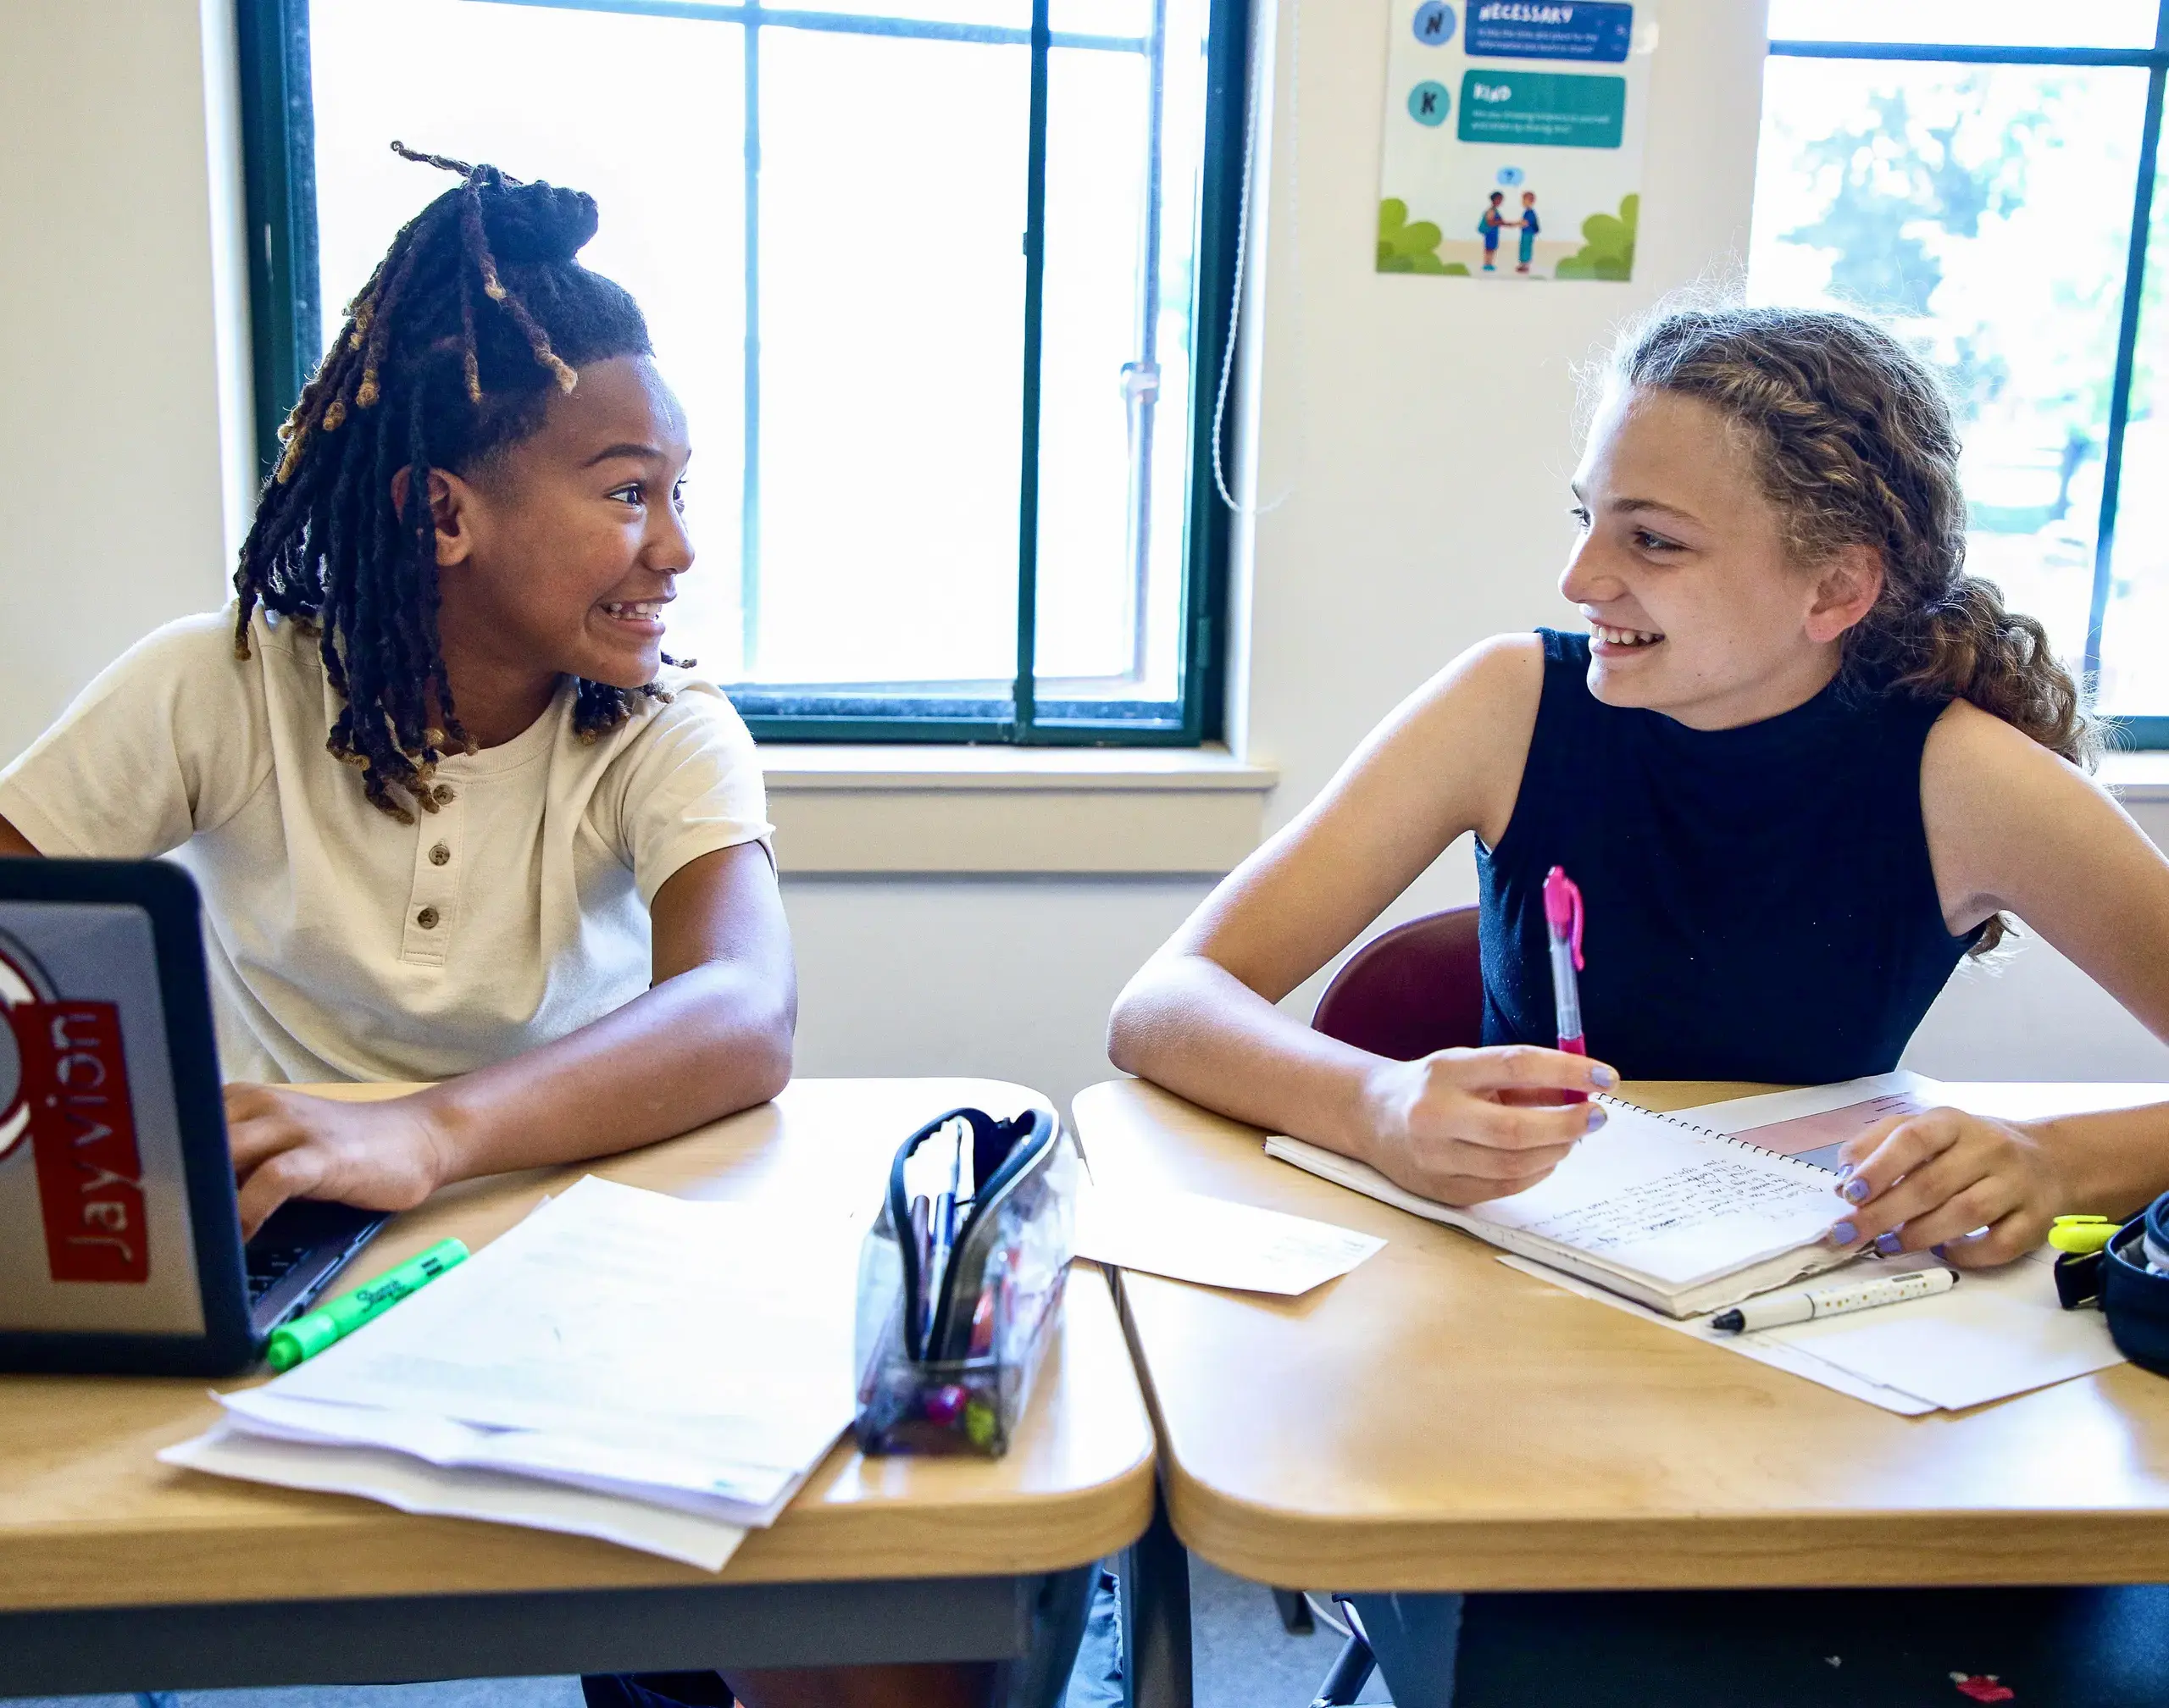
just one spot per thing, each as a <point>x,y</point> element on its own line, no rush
<point>658,1373</point>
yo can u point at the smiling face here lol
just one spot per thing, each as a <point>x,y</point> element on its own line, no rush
<point>1695,607</point>
<point>558,555</point>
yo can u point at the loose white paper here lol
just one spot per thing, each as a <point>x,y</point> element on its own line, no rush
<point>638,1469</point>
<point>2000,1332</point>
<point>394,1479</point>
<point>1193,1238</point>
<point>1815,1122</point>
<point>1905,1091</point>
<point>619,1353</point>
<point>613,1314</point>
<point>1778,1356</point>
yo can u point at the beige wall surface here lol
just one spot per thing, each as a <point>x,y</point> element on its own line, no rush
<point>112,518</point>
<point>1422,427</point>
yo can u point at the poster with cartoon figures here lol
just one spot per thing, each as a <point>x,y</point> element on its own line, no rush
<point>1513,137</point>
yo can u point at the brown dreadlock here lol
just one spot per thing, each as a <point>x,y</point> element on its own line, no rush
<point>419,378</point>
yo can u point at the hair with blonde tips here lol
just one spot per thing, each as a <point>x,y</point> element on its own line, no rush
<point>1853,441</point>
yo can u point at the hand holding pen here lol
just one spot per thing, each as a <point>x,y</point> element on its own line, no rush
<point>1463,1126</point>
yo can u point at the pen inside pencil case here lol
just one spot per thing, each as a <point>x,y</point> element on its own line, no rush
<point>960,1278</point>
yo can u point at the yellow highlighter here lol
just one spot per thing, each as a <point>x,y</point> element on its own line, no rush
<point>2082,1235</point>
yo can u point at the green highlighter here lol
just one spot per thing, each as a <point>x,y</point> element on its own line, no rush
<point>306,1336</point>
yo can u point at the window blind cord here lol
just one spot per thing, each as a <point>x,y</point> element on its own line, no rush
<point>1262,16</point>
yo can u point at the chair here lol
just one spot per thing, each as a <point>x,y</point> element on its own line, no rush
<point>1408,991</point>
<point>1417,988</point>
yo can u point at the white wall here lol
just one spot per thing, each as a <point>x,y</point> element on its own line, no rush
<point>1426,426</point>
<point>112,518</point>
<point>1012,978</point>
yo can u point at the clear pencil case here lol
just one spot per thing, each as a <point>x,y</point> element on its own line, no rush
<point>960,1283</point>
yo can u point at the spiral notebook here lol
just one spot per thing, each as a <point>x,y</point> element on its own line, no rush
<point>1673,1215</point>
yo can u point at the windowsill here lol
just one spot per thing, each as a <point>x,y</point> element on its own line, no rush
<point>998,809</point>
<point>2136,776</point>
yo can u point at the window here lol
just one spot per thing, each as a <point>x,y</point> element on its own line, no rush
<point>944,284</point>
<point>1981,174</point>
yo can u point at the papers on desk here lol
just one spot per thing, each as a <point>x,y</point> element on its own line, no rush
<point>2000,1332</point>
<point>1814,1122</point>
<point>658,1373</point>
<point>413,1486</point>
<point>1194,1238</point>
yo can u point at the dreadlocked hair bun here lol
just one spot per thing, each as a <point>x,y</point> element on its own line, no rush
<point>479,314</point>
<point>538,224</point>
<point>1853,441</point>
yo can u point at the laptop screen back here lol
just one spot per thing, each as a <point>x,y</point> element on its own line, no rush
<point>95,1234</point>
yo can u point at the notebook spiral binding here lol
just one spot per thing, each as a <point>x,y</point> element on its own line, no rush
<point>1695,1127</point>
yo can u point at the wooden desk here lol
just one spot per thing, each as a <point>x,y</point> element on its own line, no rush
<point>1437,1421</point>
<point>119,1573</point>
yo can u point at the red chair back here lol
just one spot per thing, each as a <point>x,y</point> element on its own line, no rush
<point>1408,991</point>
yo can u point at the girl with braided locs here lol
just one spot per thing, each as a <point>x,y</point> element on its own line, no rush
<point>328,551</point>
<point>1800,764</point>
<point>455,817</point>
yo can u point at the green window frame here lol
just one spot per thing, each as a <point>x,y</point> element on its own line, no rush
<point>2141,732</point>
<point>279,189</point>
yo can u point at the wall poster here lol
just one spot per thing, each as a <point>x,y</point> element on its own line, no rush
<point>1513,137</point>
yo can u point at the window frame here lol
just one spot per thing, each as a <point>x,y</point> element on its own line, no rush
<point>279,181</point>
<point>2131,732</point>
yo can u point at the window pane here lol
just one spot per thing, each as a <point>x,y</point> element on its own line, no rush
<point>857,411</point>
<point>1002,14</point>
<point>1131,19</point>
<point>892,216</point>
<point>1115,375</point>
<point>2000,23</point>
<point>1097,108</point>
<point>495,84</point>
<point>2135,663</point>
<point>1983,213</point>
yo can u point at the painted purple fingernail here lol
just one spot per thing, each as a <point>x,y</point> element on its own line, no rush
<point>1891,1244</point>
<point>1844,1171</point>
<point>1855,1192</point>
<point>1842,1233</point>
<point>1603,1076</point>
<point>1597,1118</point>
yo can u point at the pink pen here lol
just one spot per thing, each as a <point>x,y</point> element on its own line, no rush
<point>1562,921</point>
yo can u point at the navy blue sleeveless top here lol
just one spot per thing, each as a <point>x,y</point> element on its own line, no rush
<point>1758,901</point>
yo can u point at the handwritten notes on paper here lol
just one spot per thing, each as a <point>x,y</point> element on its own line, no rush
<point>1678,1217</point>
<point>1670,1203</point>
<point>1717,1189</point>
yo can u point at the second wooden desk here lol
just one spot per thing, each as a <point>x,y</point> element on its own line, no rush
<point>1437,1421</point>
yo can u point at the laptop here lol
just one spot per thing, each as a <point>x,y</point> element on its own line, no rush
<point>120,1246</point>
